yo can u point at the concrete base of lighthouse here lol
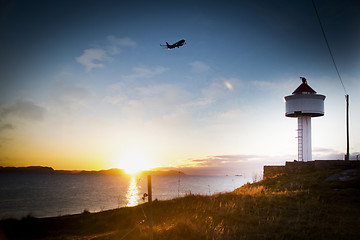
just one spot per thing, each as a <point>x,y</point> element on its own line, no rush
<point>304,139</point>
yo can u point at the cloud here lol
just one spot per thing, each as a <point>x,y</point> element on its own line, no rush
<point>165,101</point>
<point>152,101</point>
<point>25,109</point>
<point>122,42</point>
<point>143,72</point>
<point>21,110</point>
<point>224,164</point>
<point>327,154</point>
<point>215,161</point>
<point>199,67</point>
<point>96,57</point>
<point>219,88</point>
<point>117,43</point>
<point>263,84</point>
<point>277,86</point>
<point>232,164</point>
<point>331,154</point>
<point>93,58</point>
<point>130,90</point>
<point>6,126</point>
<point>4,141</point>
<point>67,94</point>
<point>167,92</point>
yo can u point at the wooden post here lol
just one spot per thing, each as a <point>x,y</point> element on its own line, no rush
<point>179,185</point>
<point>150,206</point>
<point>347,157</point>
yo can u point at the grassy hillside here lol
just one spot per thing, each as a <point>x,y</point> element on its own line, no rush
<point>298,206</point>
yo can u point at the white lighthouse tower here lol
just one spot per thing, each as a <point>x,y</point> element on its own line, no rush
<point>304,104</point>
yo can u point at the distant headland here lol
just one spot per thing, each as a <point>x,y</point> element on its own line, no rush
<point>50,170</point>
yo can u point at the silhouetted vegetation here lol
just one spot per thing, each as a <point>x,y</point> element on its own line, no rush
<point>296,206</point>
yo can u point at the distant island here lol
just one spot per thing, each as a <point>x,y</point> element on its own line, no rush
<point>50,170</point>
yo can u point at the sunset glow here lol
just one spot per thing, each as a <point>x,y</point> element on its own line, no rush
<point>103,93</point>
<point>132,194</point>
<point>134,162</point>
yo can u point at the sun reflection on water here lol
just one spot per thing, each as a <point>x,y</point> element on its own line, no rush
<point>132,195</point>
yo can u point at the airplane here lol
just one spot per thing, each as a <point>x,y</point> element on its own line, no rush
<point>177,44</point>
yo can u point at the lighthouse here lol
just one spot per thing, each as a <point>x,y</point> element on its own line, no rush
<point>303,104</point>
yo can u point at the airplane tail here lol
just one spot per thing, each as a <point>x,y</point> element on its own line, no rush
<point>167,44</point>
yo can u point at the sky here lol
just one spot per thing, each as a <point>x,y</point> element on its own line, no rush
<point>86,84</point>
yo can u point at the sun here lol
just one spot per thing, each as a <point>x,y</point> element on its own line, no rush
<point>135,162</point>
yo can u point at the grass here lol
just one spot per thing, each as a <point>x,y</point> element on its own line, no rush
<point>296,206</point>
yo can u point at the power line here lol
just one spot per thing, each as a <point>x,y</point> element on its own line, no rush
<point>328,46</point>
<point>347,156</point>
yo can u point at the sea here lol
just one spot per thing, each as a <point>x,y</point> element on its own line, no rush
<point>50,195</point>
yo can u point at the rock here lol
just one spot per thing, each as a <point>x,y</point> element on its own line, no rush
<point>346,175</point>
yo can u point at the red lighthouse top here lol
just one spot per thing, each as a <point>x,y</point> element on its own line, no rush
<point>304,88</point>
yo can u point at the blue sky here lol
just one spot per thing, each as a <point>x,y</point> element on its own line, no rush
<point>86,84</point>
